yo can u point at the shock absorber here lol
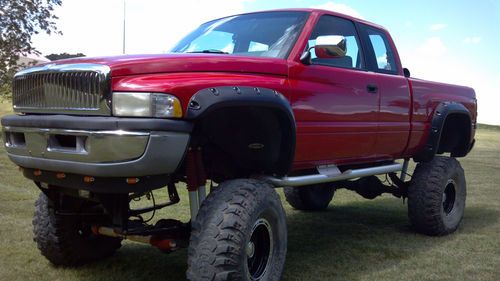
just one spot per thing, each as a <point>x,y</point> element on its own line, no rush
<point>195,179</point>
<point>202,177</point>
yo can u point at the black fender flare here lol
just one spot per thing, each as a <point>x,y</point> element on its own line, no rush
<point>210,99</point>
<point>441,113</point>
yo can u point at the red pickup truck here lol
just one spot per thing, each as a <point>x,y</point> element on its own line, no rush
<point>309,100</point>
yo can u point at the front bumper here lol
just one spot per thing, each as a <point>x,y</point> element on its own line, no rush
<point>96,146</point>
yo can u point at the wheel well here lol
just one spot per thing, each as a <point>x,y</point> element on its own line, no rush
<point>239,141</point>
<point>450,131</point>
<point>455,135</point>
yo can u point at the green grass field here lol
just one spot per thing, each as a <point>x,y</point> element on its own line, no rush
<point>355,239</point>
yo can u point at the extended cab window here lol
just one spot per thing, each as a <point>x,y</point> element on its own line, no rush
<point>382,52</point>
<point>329,27</point>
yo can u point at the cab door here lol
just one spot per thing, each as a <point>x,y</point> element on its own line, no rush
<point>395,97</point>
<point>334,100</point>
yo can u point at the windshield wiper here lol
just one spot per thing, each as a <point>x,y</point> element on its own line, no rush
<point>210,51</point>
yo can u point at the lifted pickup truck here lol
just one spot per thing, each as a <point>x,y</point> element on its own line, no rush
<point>304,99</point>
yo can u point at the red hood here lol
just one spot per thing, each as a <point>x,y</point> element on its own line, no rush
<point>165,63</point>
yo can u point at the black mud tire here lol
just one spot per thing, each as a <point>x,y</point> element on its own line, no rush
<point>230,237</point>
<point>310,198</point>
<point>64,241</point>
<point>436,196</point>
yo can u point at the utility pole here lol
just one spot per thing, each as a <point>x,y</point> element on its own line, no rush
<point>124,8</point>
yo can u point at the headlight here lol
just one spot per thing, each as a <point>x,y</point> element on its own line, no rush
<point>136,104</point>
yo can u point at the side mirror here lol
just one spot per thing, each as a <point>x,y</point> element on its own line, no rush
<point>406,72</point>
<point>331,46</point>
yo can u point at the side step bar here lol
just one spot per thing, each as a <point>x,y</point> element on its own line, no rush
<point>327,175</point>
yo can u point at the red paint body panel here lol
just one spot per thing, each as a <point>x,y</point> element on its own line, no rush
<point>185,85</point>
<point>333,109</point>
<point>394,115</point>
<point>180,62</point>
<point>338,120</point>
<point>426,96</point>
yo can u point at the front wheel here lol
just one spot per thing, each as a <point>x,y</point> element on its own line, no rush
<point>436,196</point>
<point>64,239</point>
<point>239,234</point>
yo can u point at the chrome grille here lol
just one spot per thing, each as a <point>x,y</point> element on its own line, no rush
<point>67,89</point>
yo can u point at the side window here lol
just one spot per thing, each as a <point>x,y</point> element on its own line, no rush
<point>384,56</point>
<point>334,26</point>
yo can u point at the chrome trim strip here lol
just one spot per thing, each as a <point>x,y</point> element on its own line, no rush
<point>74,132</point>
<point>58,68</point>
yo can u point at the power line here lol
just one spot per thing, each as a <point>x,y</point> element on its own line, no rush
<point>124,24</point>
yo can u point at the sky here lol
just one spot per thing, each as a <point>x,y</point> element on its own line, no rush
<point>452,41</point>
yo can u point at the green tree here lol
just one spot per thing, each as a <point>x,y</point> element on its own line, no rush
<point>61,56</point>
<point>19,21</point>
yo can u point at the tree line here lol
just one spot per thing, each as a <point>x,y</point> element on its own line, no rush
<point>19,21</point>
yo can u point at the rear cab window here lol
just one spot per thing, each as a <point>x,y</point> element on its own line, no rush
<point>380,54</point>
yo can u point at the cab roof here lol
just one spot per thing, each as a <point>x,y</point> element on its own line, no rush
<point>320,11</point>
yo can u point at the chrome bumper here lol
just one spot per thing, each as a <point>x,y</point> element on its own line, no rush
<point>100,153</point>
<point>75,145</point>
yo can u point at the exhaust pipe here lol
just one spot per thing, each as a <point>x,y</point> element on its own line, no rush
<point>332,177</point>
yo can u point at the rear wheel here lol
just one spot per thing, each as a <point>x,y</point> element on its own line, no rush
<point>436,197</point>
<point>309,198</point>
<point>239,234</point>
<point>65,239</point>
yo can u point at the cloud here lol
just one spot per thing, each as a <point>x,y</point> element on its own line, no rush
<point>432,47</point>
<point>434,60</point>
<point>408,24</point>
<point>339,8</point>
<point>95,27</point>
<point>150,28</point>
<point>438,26</point>
<point>472,40</point>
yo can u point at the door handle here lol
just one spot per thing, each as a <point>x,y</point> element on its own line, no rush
<point>372,88</point>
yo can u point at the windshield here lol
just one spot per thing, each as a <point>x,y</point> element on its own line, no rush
<point>268,34</point>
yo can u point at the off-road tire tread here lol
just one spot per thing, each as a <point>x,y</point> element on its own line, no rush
<point>425,195</point>
<point>56,239</point>
<point>219,229</point>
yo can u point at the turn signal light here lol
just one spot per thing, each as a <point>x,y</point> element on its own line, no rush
<point>60,176</point>
<point>132,180</point>
<point>88,179</point>
<point>37,173</point>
